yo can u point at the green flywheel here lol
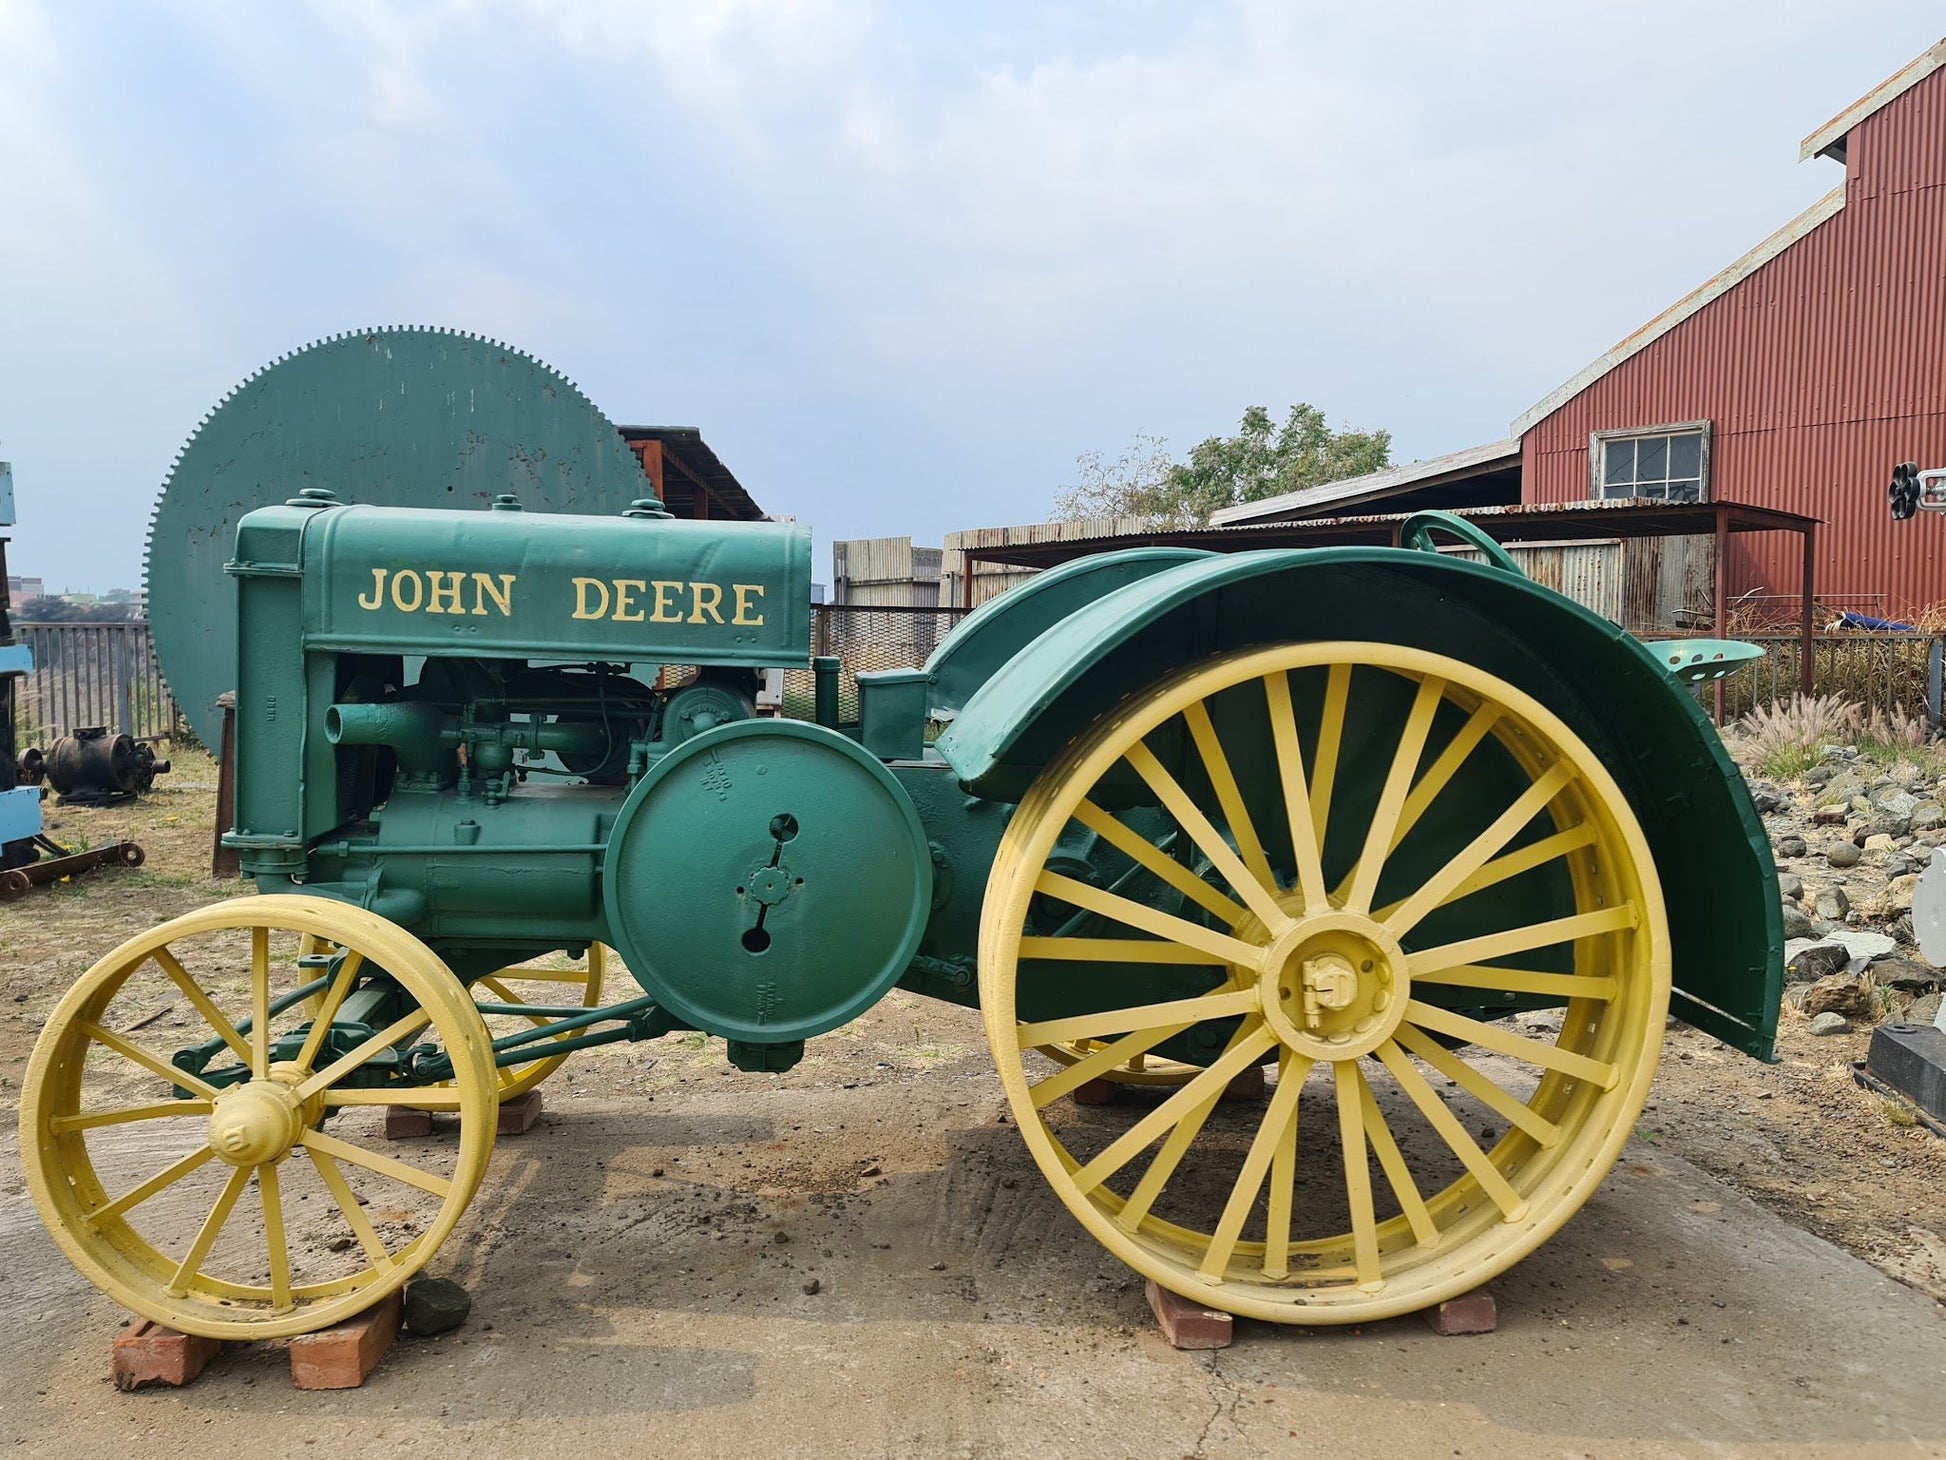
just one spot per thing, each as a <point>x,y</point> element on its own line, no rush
<point>767,881</point>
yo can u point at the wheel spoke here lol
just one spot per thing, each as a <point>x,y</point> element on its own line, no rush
<point>162,1180</point>
<point>1203,832</point>
<point>1223,781</point>
<point>1331,733</point>
<point>94,1119</point>
<point>1118,950</point>
<point>1306,849</point>
<point>1440,886</point>
<point>148,1059</point>
<point>1144,1132</point>
<point>1100,1061</point>
<point>318,1140</point>
<point>1382,834</point>
<point>334,998</point>
<point>1522,940</point>
<point>1183,1012</point>
<point>192,1262</point>
<point>1283,1174</point>
<point>390,1035</point>
<point>1508,1106</point>
<point>1174,1147</point>
<point>1427,788</point>
<point>1442,1120</point>
<point>1424,1230</point>
<point>1358,1177</point>
<point>271,1193</point>
<point>1525,981</point>
<point>1280,1114</point>
<point>1137,848</point>
<point>204,1005</point>
<point>260,1001</point>
<point>1505,1041</point>
<point>419,1097</point>
<point>1149,920</point>
<point>347,1199</point>
<point>524,974</point>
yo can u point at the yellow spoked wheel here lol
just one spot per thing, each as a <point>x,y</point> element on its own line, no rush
<point>1406,846</point>
<point>143,1167</point>
<point>1139,1070</point>
<point>512,1000</point>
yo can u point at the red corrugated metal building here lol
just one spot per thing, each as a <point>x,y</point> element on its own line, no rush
<point>1796,378</point>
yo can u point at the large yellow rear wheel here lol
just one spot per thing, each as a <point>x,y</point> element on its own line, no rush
<point>143,1169</point>
<point>1402,844</point>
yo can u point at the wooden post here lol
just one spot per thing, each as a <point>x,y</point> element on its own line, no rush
<point>223,860</point>
<point>1807,607</point>
<point>1722,599</point>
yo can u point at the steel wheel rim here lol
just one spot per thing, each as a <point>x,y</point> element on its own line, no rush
<point>1379,1267</point>
<point>179,1290</point>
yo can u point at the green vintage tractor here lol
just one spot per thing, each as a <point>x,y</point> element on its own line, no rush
<point>1317,824</point>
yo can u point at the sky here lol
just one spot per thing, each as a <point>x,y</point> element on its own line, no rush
<point>901,263</point>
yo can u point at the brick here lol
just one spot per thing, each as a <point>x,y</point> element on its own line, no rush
<point>1095,1092</point>
<point>1189,1325</point>
<point>1473,1312</point>
<point>148,1353</point>
<point>344,1355</point>
<point>517,1117</point>
<point>403,1123</point>
<point>1247,1086</point>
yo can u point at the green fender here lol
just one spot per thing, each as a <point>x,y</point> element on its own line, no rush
<point>1725,915</point>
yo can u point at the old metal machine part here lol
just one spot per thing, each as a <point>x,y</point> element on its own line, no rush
<point>1166,817</point>
<point>388,417</point>
<point>93,767</point>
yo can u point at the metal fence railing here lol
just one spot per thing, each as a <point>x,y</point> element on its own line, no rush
<point>93,674</point>
<point>1879,672</point>
<point>865,636</point>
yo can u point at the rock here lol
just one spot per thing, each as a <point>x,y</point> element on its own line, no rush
<point>1828,1023</point>
<point>1839,752</point>
<point>1816,961</point>
<point>1888,824</point>
<point>1898,893</point>
<point>1843,854</point>
<point>1896,802</point>
<point>1790,885</point>
<point>1832,814</point>
<point>1791,846</point>
<point>1862,945</point>
<point>812,1286</point>
<point>1844,788</point>
<point>1880,841</point>
<point>1847,994</point>
<point>1831,904</point>
<point>1820,773</point>
<point>1907,773</point>
<point>1928,816</point>
<point>1768,798</point>
<point>1796,923</point>
<point>1906,975</point>
<point>1899,866</point>
<point>435,1305</point>
<point>1925,1009</point>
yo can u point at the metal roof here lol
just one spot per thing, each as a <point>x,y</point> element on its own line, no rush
<point>1549,522</point>
<point>690,470</point>
<point>1435,471</point>
<point>1829,140</point>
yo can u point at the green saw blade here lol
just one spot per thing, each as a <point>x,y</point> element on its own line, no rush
<point>404,417</point>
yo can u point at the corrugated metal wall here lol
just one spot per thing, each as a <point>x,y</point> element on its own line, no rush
<point>1645,584</point>
<point>1818,372</point>
<point>990,580</point>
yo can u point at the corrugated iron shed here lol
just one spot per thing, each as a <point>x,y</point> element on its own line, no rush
<point>690,479</point>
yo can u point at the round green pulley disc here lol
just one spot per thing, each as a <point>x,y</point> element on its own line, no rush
<point>767,881</point>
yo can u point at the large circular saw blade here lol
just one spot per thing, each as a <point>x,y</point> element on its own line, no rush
<point>396,417</point>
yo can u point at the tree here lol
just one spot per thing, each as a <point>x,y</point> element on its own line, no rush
<point>1261,460</point>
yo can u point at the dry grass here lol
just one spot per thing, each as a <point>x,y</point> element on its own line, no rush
<point>1784,741</point>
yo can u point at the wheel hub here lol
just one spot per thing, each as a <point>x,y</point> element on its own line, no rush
<point>255,1123</point>
<point>1333,986</point>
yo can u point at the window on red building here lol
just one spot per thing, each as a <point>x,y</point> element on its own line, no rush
<point>1663,463</point>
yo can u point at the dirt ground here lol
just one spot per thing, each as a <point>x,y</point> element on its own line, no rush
<point>641,1265</point>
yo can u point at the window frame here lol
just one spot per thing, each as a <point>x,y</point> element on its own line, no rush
<point>1597,450</point>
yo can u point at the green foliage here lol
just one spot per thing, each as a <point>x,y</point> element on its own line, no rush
<point>1784,741</point>
<point>54,609</point>
<point>1263,459</point>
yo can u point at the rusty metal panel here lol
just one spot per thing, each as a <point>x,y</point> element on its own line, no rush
<point>1818,372</point>
<point>1588,572</point>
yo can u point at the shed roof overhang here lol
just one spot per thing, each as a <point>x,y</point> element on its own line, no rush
<point>695,482</point>
<point>1482,467</point>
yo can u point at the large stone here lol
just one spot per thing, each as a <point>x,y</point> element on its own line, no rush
<point>1906,975</point>
<point>1881,842</point>
<point>1843,788</point>
<point>1896,802</point>
<point>1820,774</point>
<point>1925,1009</point>
<point>1831,904</point>
<point>1928,816</point>
<point>1848,994</point>
<point>435,1305</point>
<point>1790,846</point>
<point>1815,961</point>
<point>1888,824</point>
<point>1768,797</point>
<point>1797,923</point>
<point>1830,813</point>
<point>1843,854</point>
<point>1790,885</point>
<point>1897,897</point>
<point>1862,945</point>
<point>1828,1023</point>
